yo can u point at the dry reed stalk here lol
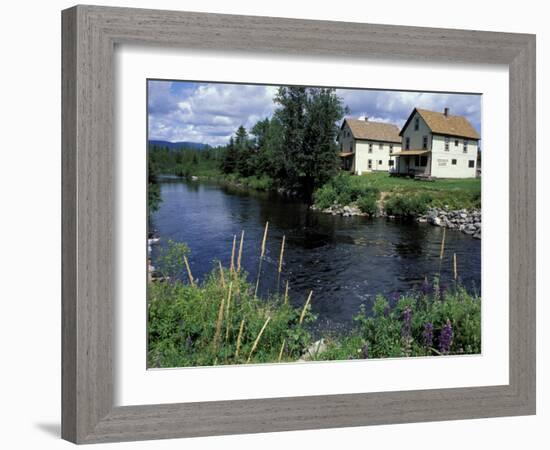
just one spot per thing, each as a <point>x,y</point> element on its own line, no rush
<point>280,263</point>
<point>257,339</point>
<point>305,307</point>
<point>454,266</point>
<point>232,265</point>
<point>281,351</point>
<point>227,323</point>
<point>286,293</point>
<point>262,253</point>
<point>222,278</point>
<point>442,250</point>
<point>189,274</point>
<point>264,239</point>
<point>240,252</point>
<point>239,337</point>
<point>219,323</point>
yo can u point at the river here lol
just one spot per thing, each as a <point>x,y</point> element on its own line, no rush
<point>346,261</point>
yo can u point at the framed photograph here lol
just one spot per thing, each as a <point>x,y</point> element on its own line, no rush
<point>278,224</point>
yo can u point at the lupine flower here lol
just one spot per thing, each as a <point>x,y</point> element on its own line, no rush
<point>446,338</point>
<point>406,327</point>
<point>365,351</point>
<point>394,297</point>
<point>428,334</point>
<point>426,287</point>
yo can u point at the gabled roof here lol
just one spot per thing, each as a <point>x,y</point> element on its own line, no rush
<point>449,125</point>
<point>375,131</point>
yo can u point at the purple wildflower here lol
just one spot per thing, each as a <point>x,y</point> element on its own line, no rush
<point>394,297</point>
<point>428,334</point>
<point>406,327</point>
<point>446,338</point>
<point>426,288</point>
<point>365,351</point>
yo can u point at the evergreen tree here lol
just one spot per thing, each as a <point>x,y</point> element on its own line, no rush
<point>229,162</point>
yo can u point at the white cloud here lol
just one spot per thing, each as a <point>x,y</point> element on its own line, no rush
<point>211,112</point>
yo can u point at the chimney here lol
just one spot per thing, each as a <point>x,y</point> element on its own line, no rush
<point>446,112</point>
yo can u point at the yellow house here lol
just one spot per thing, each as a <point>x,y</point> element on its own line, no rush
<point>437,145</point>
<point>366,146</point>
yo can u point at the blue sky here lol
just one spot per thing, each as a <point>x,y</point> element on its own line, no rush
<point>211,112</point>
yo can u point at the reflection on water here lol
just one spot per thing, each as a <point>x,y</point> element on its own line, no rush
<point>346,261</point>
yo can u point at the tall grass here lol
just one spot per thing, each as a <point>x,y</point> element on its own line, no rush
<point>222,321</point>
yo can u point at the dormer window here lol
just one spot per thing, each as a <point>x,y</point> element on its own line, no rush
<point>416,123</point>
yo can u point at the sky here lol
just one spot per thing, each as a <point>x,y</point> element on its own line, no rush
<point>211,112</point>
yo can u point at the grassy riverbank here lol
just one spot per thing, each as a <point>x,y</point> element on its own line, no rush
<point>396,195</point>
<point>221,321</point>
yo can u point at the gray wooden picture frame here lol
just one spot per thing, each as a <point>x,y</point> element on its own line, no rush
<point>90,34</point>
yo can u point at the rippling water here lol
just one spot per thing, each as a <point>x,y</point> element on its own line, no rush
<point>346,261</point>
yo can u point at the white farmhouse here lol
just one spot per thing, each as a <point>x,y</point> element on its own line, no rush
<point>437,145</point>
<point>366,146</point>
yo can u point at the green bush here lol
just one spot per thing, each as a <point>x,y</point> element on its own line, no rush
<point>411,205</point>
<point>368,205</point>
<point>325,197</point>
<point>420,324</point>
<point>344,189</point>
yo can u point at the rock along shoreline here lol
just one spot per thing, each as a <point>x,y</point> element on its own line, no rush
<point>463,220</point>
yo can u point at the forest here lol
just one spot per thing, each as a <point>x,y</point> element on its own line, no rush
<point>295,150</point>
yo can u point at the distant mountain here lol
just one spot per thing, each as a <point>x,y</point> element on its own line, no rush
<point>176,145</point>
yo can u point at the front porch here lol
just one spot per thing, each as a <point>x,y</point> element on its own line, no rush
<point>412,163</point>
<point>346,160</point>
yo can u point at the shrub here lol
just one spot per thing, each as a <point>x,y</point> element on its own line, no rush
<point>368,205</point>
<point>420,324</point>
<point>325,196</point>
<point>412,205</point>
<point>344,189</point>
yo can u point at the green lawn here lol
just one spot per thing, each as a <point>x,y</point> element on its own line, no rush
<point>386,183</point>
<point>451,193</point>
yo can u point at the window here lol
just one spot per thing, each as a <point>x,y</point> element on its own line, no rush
<point>471,163</point>
<point>447,142</point>
<point>390,163</point>
<point>369,165</point>
<point>380,146</point>
<point>416,123</point>
<point>465,149</point>
<point>407,143</point>
<point>424,142</point>
<point>391,148</point>
<point>379,162</point>
<point>456,142</point>
<point>453,162</point>
<point>370,148</point>
<point>351,146</point>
